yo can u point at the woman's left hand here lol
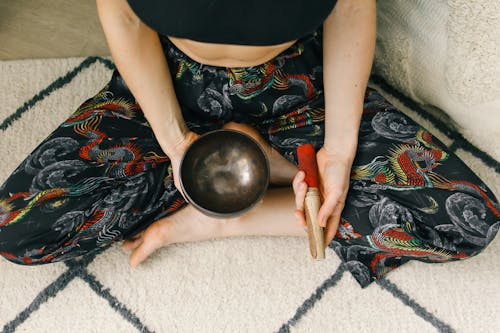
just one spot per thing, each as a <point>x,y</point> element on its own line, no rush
<point>334,172</point>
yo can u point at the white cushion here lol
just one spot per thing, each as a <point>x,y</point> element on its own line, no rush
<point>445,54</point>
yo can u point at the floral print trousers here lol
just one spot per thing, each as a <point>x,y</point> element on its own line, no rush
<point>101,176</point>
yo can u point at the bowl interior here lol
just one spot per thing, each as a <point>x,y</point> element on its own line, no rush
<point>224,173</point>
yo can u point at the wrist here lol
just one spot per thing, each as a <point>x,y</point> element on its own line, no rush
<point>176,147</point>
<point>342,141</point>
<point>340,151</point>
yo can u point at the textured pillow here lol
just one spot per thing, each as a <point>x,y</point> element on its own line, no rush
<point>445,54</point>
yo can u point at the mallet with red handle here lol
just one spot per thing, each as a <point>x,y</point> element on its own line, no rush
<point>307,162</point>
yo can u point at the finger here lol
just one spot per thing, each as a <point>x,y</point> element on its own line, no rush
<point>298,179</point>
<point>333,224</point>
<point>300,190</point>
<point>334,218</point>
<point>300,196</point>
<point>330,230</point>
<point>143,251</point>
<point>131,244</point>
<point>327,209</point>
<point>175,163</point>
<point>129,241</point>
<point>177,184</point>
<point>300,218</point>
<point>135,236</point>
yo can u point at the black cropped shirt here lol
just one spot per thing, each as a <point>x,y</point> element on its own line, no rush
<point>243,22</point>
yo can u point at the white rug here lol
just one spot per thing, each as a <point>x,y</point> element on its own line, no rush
<point>251,284</point>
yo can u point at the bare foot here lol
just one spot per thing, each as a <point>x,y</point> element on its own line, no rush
<point>282,171</point>
<point>186,225</point>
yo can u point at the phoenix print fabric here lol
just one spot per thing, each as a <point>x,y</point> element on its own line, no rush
<point>101,176</point>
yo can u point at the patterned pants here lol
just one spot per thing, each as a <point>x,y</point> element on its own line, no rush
<point>101,176</point>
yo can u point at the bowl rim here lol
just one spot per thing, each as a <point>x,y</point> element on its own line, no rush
<point>213,213</point>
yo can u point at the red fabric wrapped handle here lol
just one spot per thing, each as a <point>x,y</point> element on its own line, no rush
<point>307,163</point>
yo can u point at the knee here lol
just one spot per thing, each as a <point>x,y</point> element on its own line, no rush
<point>21,245</point>
<point>36,254</point>
<point>245,128</point>
<point>14,249</point>
<point>11,253</point>
<point>6,239</point>
<point>13,237</point>
<point>238,127</point>
<point>251,132</point>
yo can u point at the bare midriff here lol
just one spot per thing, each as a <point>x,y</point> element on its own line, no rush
<point>228,55</point>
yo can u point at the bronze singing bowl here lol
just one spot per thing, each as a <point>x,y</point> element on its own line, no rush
<point>224,173</point>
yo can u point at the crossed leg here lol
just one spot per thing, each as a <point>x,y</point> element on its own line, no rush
<point>189,225</point>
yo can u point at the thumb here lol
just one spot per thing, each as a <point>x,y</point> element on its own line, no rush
<point>177,178</point>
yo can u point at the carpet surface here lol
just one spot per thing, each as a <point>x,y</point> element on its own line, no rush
<point>245,284</point>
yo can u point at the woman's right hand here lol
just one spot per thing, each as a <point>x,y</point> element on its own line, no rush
<point>176,153</point>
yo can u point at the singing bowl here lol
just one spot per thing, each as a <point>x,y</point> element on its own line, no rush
<point>224,173</point>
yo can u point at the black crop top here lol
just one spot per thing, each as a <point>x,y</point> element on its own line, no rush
<point>243,22</point>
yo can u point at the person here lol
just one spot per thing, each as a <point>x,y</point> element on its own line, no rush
<point>283,72</point>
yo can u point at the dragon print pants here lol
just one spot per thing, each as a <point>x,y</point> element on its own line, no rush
<point>102,177</point>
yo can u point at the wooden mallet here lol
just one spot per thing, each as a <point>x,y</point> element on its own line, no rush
<point>307,162</point>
